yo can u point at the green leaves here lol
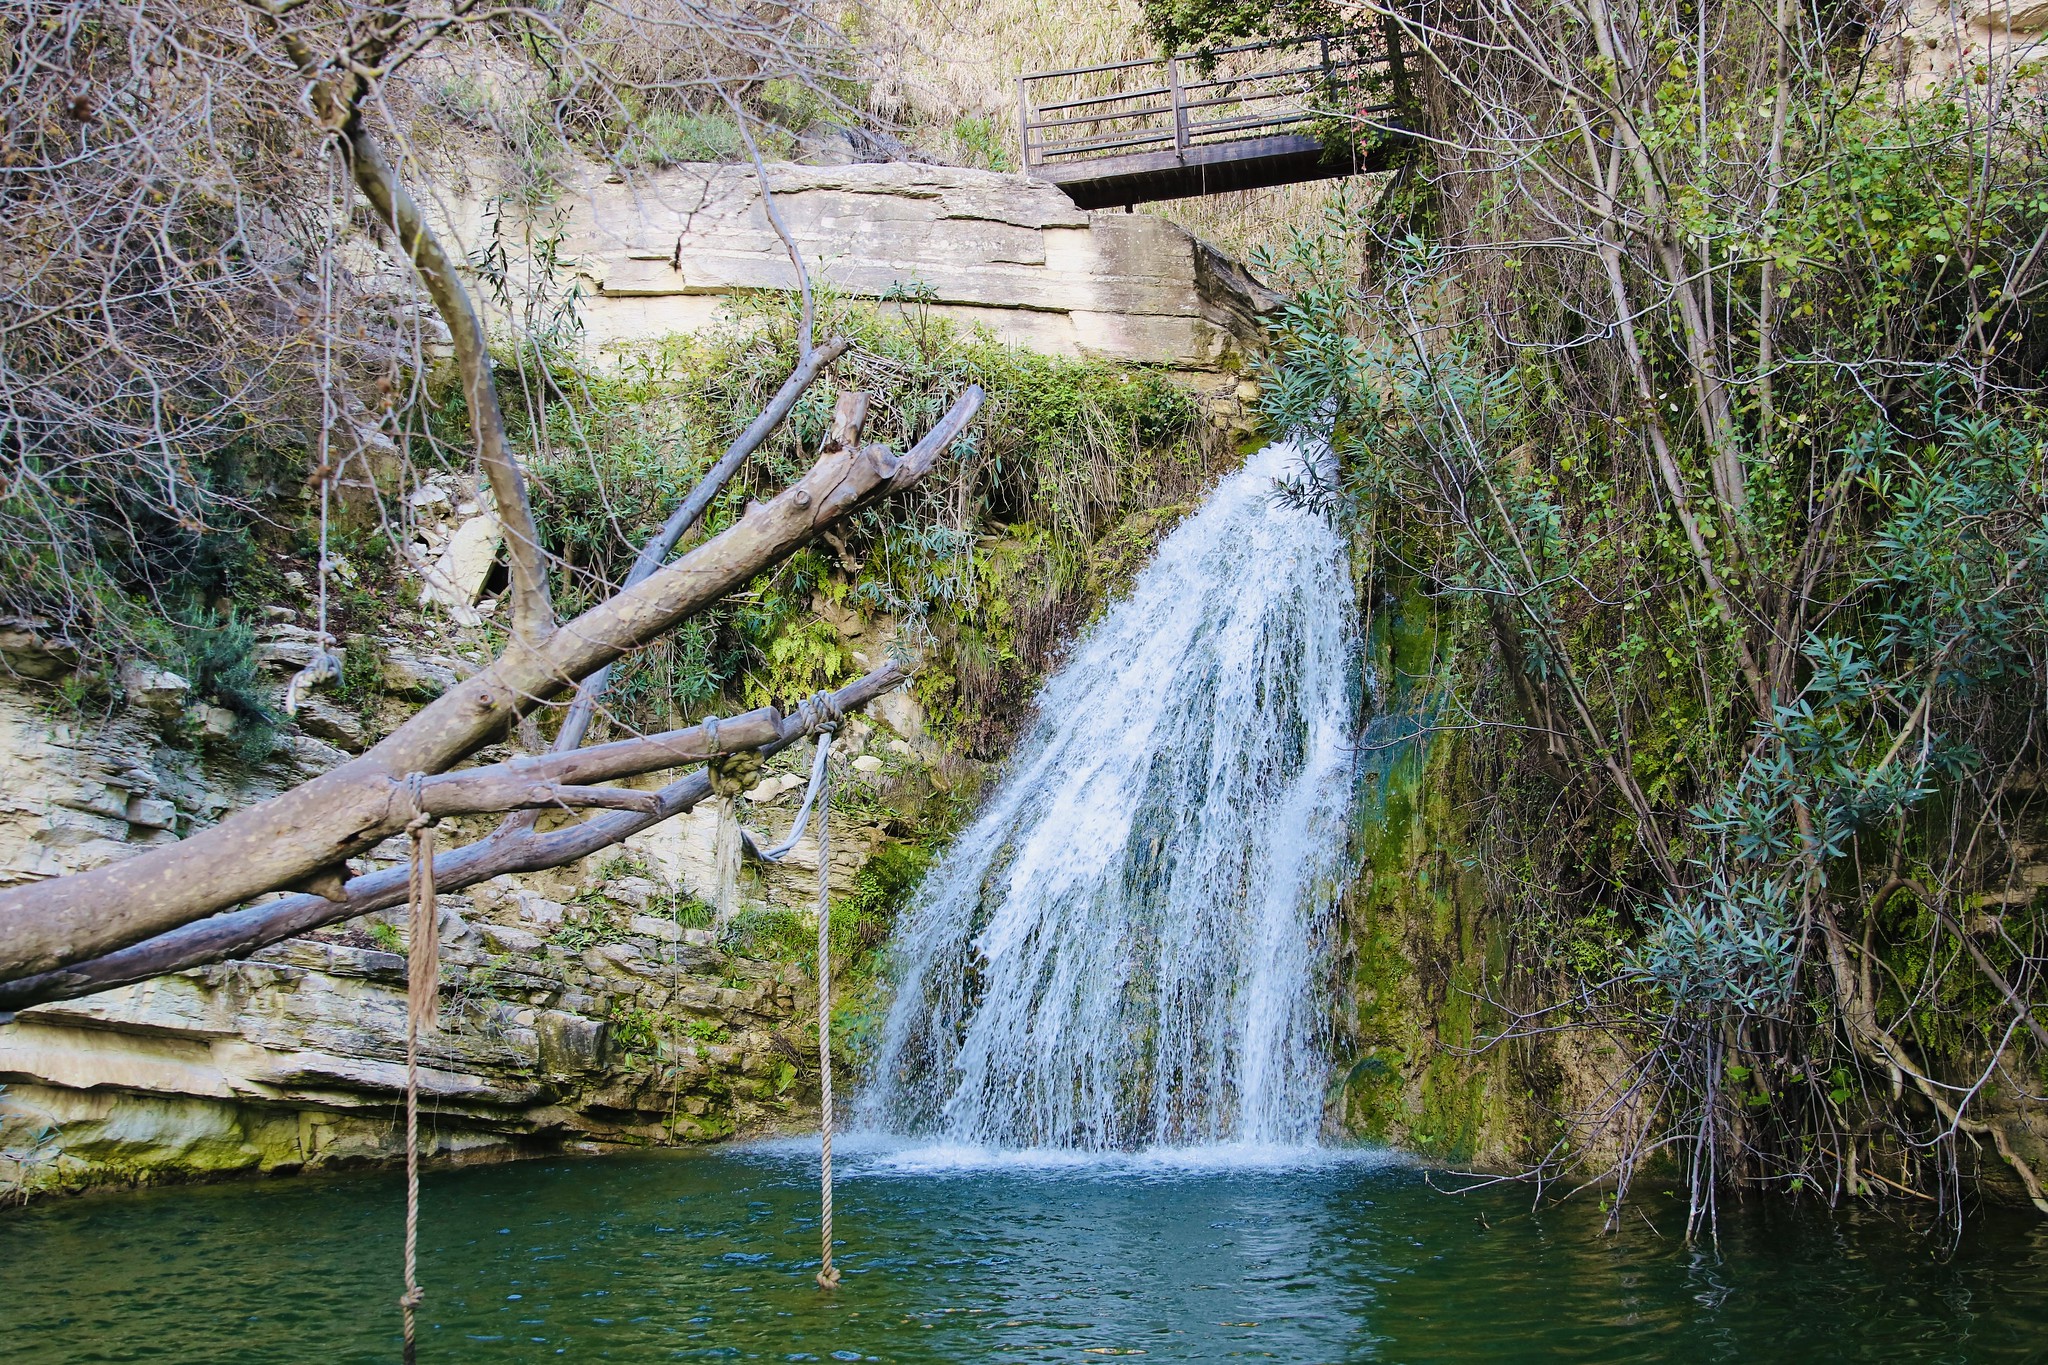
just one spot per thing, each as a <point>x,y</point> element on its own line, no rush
<point>1731,942</point>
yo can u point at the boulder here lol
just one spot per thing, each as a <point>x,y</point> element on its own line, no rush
<point>155,690</point>
<point>324,720</point>
<point>406,675</point>
<point>538,909</point>
<point>504,938</point>
<point>29,649</point>
<point>570,1045</point>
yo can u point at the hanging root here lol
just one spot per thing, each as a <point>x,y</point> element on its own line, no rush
<point>1877,1046</point>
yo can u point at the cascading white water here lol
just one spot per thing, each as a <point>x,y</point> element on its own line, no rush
<point>1121,950</point>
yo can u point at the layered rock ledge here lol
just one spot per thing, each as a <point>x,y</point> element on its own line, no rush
<point>664,252</point>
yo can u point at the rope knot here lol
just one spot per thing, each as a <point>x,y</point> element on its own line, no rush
<point>415,798</point>
<point>323,667</point>
<point>820,714</point>
<point>730,774</point>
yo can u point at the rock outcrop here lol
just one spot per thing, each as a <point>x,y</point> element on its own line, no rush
<point>601,1003</point>
<point>1933,43</point>
<point>663,253</point>
<point>296,1057</point>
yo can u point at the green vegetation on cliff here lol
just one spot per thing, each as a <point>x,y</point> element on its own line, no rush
<point>1049,504</point>
<point>1688,404</point>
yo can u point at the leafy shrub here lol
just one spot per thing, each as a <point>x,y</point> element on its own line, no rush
<point>666,137</point>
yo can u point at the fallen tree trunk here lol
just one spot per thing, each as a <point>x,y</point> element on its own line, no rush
<point>244,931</point>
<point>317,826</point>
<point>848,416</point>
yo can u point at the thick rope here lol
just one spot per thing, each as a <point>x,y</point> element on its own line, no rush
<point>828,1278</point>
<point>422,1005</point>
<point>820,715</point>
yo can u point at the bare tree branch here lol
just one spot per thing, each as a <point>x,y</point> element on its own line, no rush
<point>576,723</point>
<point>244,931</point>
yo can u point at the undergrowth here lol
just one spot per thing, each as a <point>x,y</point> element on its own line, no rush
<point>994,560</point>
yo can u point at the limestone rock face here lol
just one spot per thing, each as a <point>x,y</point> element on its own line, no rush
<point>982,247</point>
<point>1936,43</point>
<point>296,1057</point>
<point>78,794</point>
<point>588,1004</point>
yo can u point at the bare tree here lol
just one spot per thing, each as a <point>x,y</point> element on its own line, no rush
<point>157,307</point>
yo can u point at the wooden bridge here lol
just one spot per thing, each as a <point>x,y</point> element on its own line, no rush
<point>1228,118</point>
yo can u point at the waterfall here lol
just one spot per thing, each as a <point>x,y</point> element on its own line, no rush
<point>1121,950</point>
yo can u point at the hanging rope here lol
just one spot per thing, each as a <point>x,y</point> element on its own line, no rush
<point>828,1278</point>
<point>325,665</point>
<point>820,716</point>
<point>422,1006</point>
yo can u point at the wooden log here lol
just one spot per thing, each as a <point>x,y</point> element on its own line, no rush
<point>501,786</point>
<point>342,813</point>
<point>240,932</point>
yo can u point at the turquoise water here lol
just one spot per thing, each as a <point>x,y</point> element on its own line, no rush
<point>954,1256</point>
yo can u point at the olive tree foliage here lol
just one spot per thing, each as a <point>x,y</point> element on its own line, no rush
<point>221,234</point>
<point>1691,368</point>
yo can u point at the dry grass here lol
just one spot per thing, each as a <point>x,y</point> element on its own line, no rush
<point>937,60</point>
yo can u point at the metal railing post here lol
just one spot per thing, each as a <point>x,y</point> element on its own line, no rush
<point>1329,90</point>
<point>1023,129</point>
<point>1180,109</point>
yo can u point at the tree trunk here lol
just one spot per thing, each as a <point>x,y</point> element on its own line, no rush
<point>342,813</point>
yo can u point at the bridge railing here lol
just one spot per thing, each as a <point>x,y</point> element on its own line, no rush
<point>1194,99</point>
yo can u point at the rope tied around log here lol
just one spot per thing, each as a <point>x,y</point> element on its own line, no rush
<point>422,1006</point>
<point>819,715</point>
<point>729,774</point>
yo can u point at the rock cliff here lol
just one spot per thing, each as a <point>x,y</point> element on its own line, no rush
<point>664,253</point>
<point>628,1000</point>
